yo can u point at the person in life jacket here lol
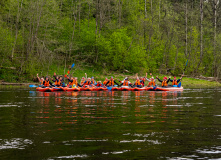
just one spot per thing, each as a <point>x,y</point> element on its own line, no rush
<point>111,82</point>
<point>105,81</point>
<point>99,84</point>
<point>46,82</point>
<point>126,82</point>
<point>137,83</point>
<point>87,82</point>
<point>76,82</point>
<point>57,81</point>
<point>82,81</point>
<point>41,80</point>
<point>71,82</point>
<point>176,81</point>
<point>152,81</point>
<point>164,81</point>
<point>93,81</point>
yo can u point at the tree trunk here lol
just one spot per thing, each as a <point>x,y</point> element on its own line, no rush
<point>186,18</point>
<point>201,36</point>
<point>16,28</point>
<point>214,40</point>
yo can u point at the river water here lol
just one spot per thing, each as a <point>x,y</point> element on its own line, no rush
<point>110,125</point>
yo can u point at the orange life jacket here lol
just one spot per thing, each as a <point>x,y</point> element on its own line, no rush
<point>111,83</point>
<point>174,82</point>
<point>152,83</point>
<point>82,82</point>
<point>125,83</point>
<point>164,83</point>
<point>46,83</point>
<point>92,82</point>
<point>57,83</point>
<point>71,83</point>
<point>105,82</point>
<point>87,83</point>
<point>137,82</point>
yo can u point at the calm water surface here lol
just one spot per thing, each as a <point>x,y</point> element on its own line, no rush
<point>110,125</point>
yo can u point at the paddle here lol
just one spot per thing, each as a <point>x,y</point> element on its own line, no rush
<point>109,88</point>
<point>32,86</point>
<point>72,65</point>
<point>185,66</point>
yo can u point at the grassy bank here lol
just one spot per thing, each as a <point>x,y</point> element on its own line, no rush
<point>102,74</point>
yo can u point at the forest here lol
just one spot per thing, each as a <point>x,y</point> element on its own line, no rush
<point>135,36</point>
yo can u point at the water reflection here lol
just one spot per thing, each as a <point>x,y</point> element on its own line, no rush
<point>112,125</point>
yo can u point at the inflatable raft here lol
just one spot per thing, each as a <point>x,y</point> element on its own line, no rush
<point>123,88</point>
<point>73,89</point>
<point>164,88</point>
<point>46,89</point>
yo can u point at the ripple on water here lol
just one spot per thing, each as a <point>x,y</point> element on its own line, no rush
<point>14,143</point>
<point>71,156</point>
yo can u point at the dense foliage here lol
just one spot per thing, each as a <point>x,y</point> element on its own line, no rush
<point>112,35</point>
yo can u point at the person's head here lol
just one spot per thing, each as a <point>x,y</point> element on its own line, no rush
<point>99,82</point>
<point>152,78</point>
<point>89,79</point>
<point>60,78</point>
<point>92,78</point>
<point>174,78</point>
<point>42,79</point>
<point>138,78</point>
<point>57,77</point>
<point>82,78</point>
<point>164,78</point>
<point>106,79</point>
<point>72,78</point>
<point>141,78</point>
<point>126,79</point>
<point>46,78</point>
<point>111,78</point>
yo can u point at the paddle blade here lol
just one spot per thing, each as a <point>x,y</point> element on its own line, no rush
<point>109,88</point>
<point>186,62</point>
<point>65,76</point>
<point>72,65</point>
<point>179,85</point>
<point>32,86</point>
<point>68,72</point>
<point>154,87</point>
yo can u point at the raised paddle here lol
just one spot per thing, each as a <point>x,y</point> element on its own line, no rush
<point>185,67</point>
<point>179,85</point>
<point>72,65</point>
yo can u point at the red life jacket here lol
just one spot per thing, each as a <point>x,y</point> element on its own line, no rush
<point>98,85</point>
<point>87,83</point>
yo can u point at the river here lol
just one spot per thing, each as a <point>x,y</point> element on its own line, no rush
<point>110,125</point>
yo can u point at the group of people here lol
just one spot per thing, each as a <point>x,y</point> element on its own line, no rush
<point>73,81</point>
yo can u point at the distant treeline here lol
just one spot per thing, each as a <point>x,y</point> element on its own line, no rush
<point>112,35</point>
